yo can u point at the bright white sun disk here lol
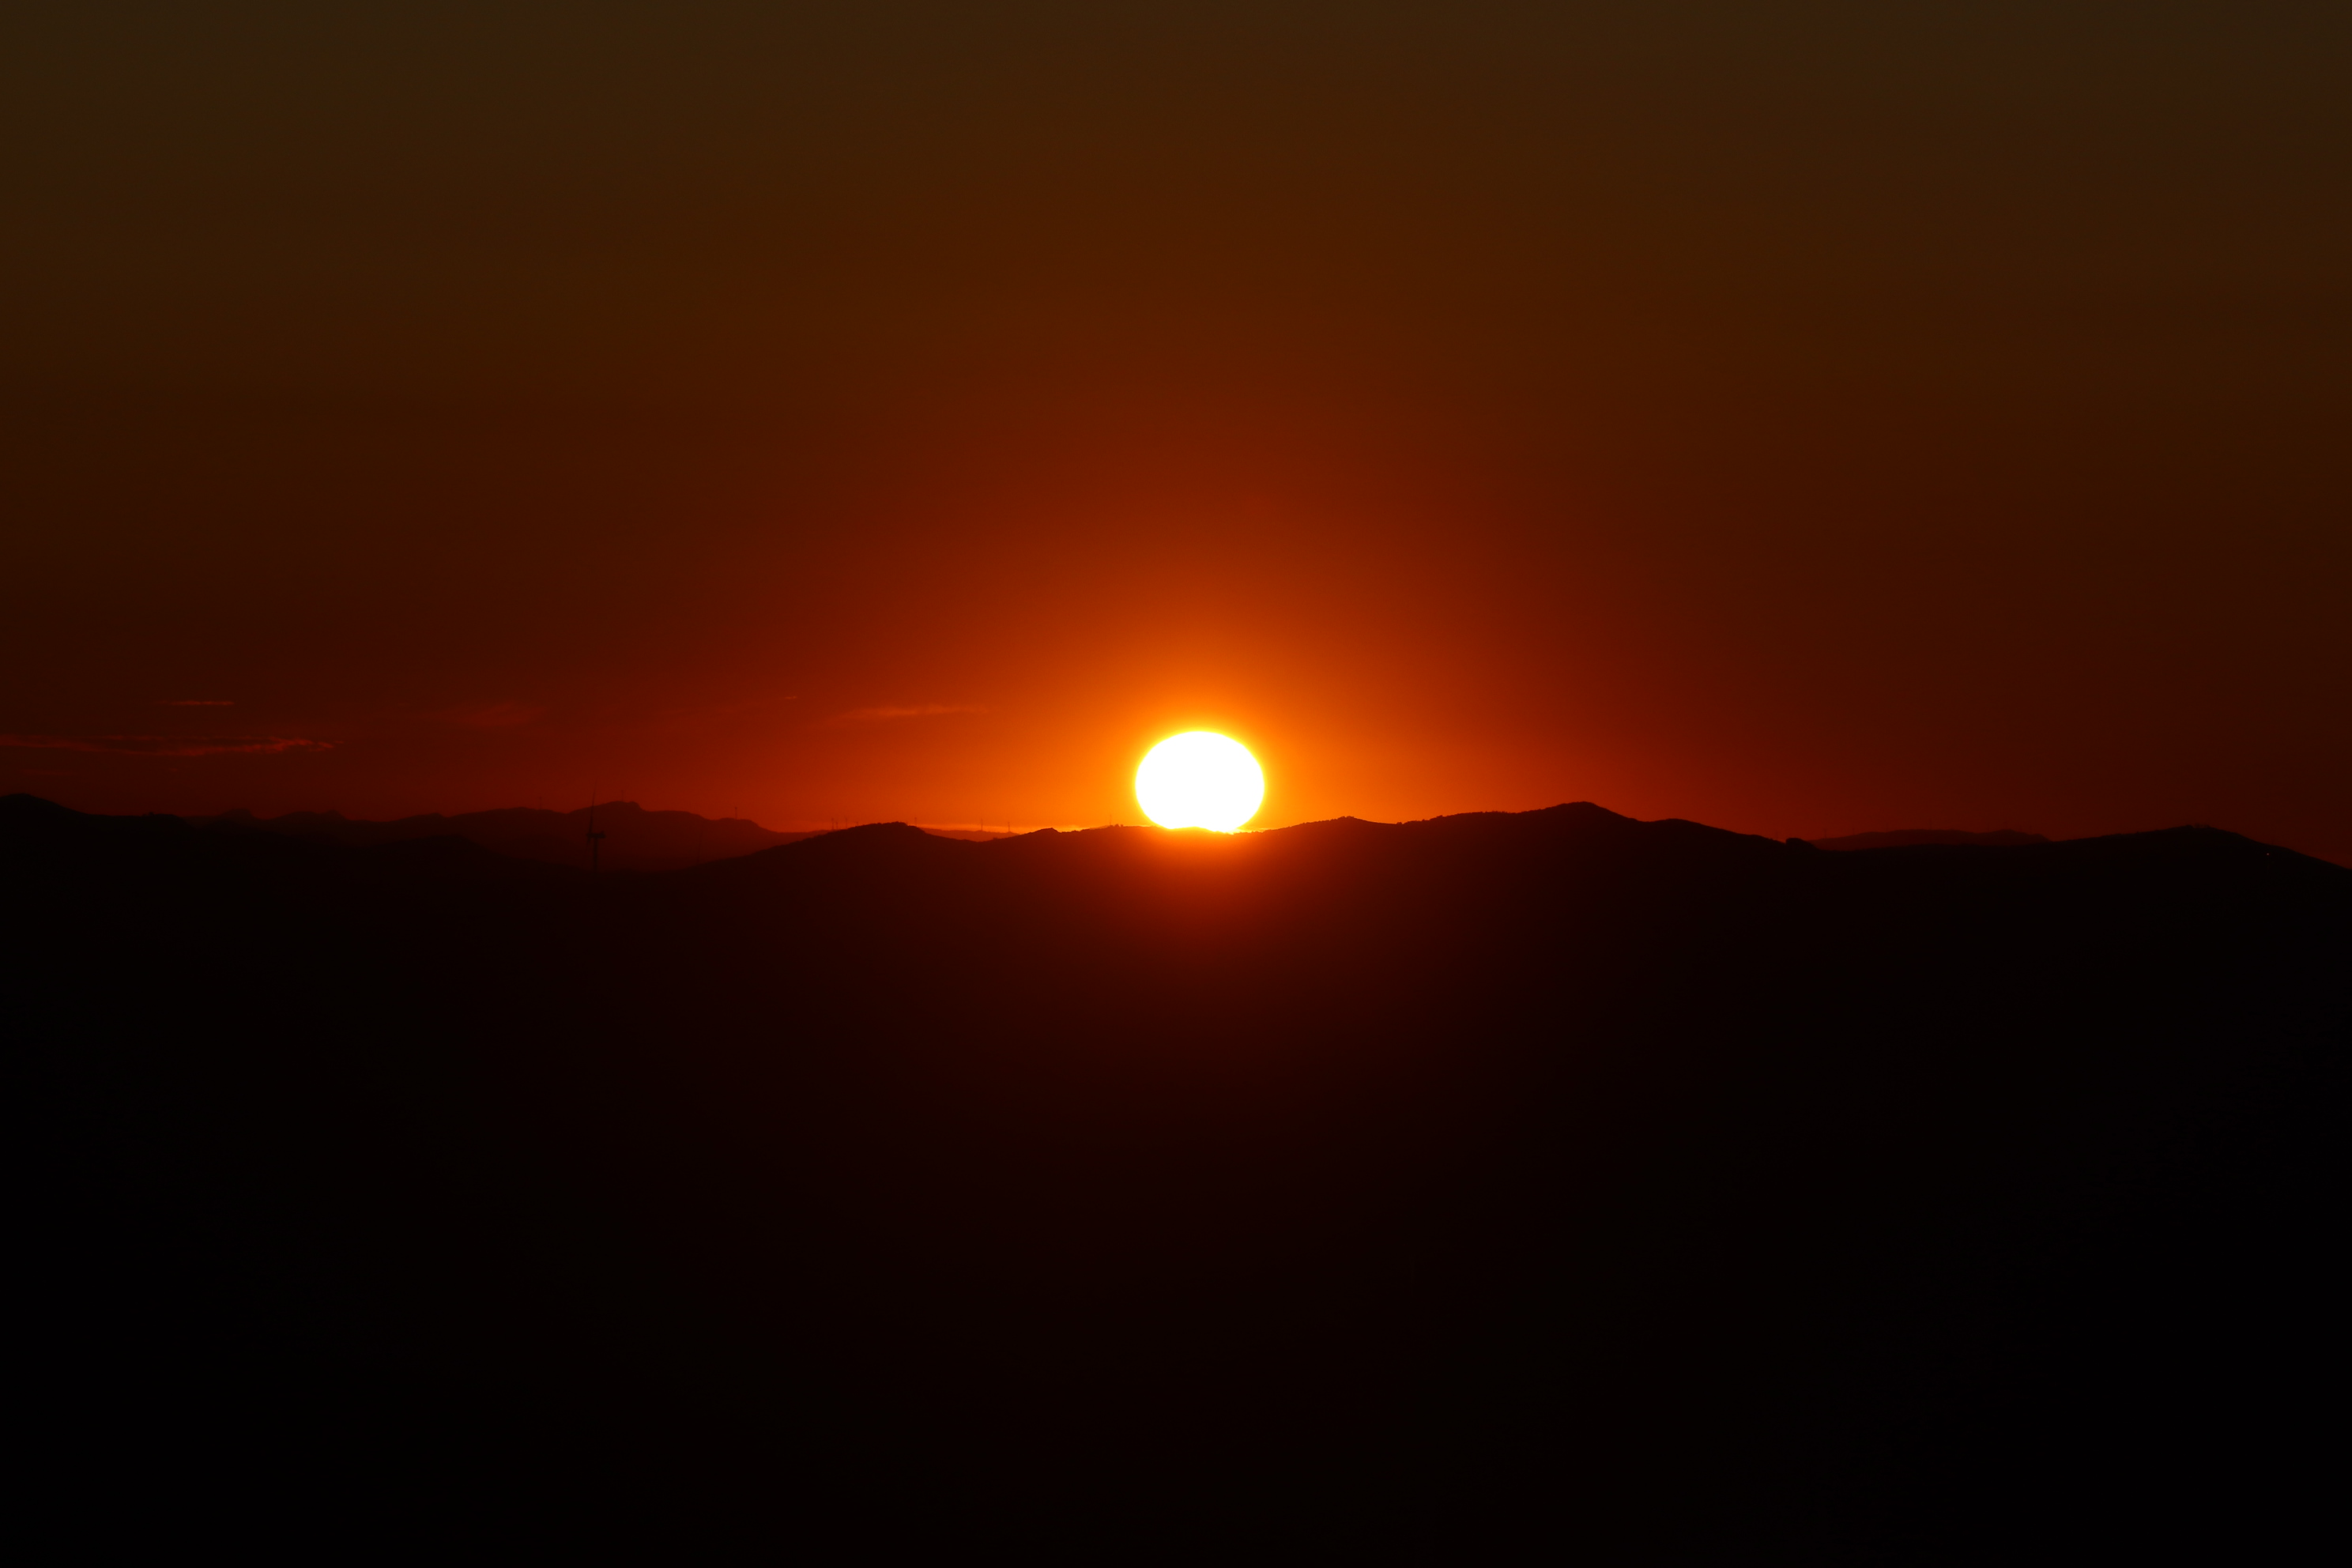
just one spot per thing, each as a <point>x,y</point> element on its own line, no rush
<point>1200,779</point>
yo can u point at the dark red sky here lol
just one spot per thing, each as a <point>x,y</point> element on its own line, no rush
<point>1805,419</point>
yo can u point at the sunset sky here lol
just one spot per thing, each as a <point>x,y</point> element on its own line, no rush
<point>1808,420</point>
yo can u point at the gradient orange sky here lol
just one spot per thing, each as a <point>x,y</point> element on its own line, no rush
<point>1809,422</point>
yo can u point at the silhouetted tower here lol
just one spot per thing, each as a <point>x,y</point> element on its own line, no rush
<point>594,837</point>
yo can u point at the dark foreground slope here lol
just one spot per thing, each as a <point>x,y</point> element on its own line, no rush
<point>1610,1179</point>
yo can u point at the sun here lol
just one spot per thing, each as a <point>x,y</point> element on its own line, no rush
<point>1200,779</point>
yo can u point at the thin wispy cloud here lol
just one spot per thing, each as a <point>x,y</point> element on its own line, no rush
<point>164,745</point>
<point>885,715</point>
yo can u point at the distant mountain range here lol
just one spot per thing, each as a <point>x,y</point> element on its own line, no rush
<point>634,839</point>
<point>1635,1191</point>
<point>1902,838</point>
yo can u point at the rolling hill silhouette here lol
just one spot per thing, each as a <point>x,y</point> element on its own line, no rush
<point>1578,1179</point>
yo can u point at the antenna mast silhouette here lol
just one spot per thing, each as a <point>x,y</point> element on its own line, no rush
<point>594,837</point>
